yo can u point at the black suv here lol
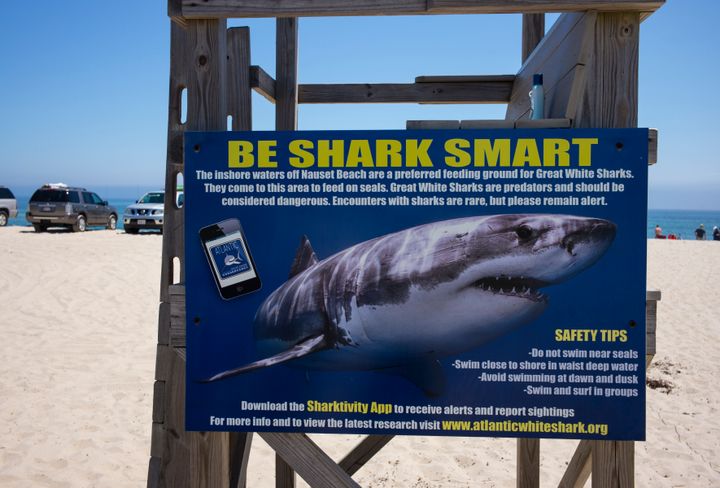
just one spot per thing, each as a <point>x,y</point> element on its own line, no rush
<point>76,208</point>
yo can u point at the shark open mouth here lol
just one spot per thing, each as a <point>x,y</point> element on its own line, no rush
<point>521,287</point>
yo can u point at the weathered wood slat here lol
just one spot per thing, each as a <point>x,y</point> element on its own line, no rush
<point>613,464</point>
<point>240,443</point>
<point>308,460</point>
<point>425,92</point>
<point>464,78</point>
<point>611,95</point>
<point>487,124</point>
<point>284,474</point>
<point>542,124</point>
<point>528,463</point>
<point>262,83</point>
<point>652,146</point>
<point>158,412</point>
<point>566,46</point>
<point>533,30</point>
<point>321,8</point>
<point>363,452</point>
<point>239,97</point>
<point>432,124</point>
<point>579,468</point>
<point>286,65</point>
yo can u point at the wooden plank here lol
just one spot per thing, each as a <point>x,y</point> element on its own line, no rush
<point>612,94</point>
<point>262,83</point>
<point>566,46</point>
<point>154,467</point>
<point>178,332</point>
<point>286,62</point>
<point>533,30</point>
<point>432,124</point>
<point>308,460</point>
<point>363,452</point>
<point>239,96</point>
<point>426,92</point>
<point>240,443</point>
<point>464,78</point>
<point>579,468</point>
<point>164,321</point>
<point>158,411</point>
<point>542,124</point>
<point>209,463</point>
<point>284,474</point>
<point>652,146</point>
<point>487,124</point>
<point>322,8</point>
<point>613,464</point>
<point>528,463</point>
<point>162,362</point>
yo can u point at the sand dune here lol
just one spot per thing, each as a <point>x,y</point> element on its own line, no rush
<point>78,321</point>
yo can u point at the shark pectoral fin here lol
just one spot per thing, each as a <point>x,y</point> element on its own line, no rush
<point>308,346</point>
<point>427,375</point>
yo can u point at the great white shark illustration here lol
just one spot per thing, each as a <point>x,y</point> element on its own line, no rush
<point>400,302</point>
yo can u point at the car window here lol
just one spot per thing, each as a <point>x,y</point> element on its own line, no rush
<point>73,197</point>
<point>155,197</point>
<point>96,199</point>
<point>87,197</point>
<point>53,196</point>
<point>6,193</point>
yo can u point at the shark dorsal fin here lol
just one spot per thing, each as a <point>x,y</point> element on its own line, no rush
<point>304,257</point>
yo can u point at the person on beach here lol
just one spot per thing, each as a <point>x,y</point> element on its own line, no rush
<point>716,233</point>
<point>700,233</point>
<point>658,232</point>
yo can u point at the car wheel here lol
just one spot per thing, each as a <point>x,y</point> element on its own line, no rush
<point>3,218</point>
<point>112,222</point>
<point>39,227</point>
<point>131,231</point>
<point>80,224</point>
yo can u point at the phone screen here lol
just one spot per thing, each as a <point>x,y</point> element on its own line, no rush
<point>229,258</point>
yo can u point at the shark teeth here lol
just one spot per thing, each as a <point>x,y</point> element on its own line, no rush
<point>523,287</point>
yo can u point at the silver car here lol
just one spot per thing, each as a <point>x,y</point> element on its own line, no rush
<point>146,213</point>
<point>8,205</point>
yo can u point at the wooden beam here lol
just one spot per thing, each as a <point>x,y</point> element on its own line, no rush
<point>613,464</point>
<point>579,468</point>
<point>464,78</point>
<point>528,463</point>
<point>652,146</point>
<point>425,92</point>
<point>262,83</point>
<point>239,97</point>
<point>284,474</point>
<point>533,30</point>
<point>286,65</point>
<point>308,460</point>
<point>323,8</point>
<point>363,452</point>
<point>561,56</point>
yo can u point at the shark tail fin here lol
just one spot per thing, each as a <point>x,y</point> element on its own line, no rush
<point>308,346</point>
<point>304,257</point>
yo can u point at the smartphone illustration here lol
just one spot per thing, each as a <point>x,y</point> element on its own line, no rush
<point>229,258</point>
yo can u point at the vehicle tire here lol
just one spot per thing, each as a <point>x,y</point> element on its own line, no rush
<point>131,231</point>
<point>39,227</point>
<point>112,222</point>
<point>80,224</point>
<point>3,218</point>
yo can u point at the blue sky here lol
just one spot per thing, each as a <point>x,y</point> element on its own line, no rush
<point>83,86</point>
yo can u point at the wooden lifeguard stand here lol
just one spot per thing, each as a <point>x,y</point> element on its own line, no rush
<point>589,59</point>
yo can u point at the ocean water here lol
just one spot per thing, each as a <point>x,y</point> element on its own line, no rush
<point>679,222</point>
<point>682,223</point>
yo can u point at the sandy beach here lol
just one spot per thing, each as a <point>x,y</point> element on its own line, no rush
<point>79,331</point>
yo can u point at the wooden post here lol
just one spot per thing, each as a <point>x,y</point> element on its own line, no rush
<point>286,86</point>
<point>528,463</point>
<point>611,101</point>
<point>533,30</point>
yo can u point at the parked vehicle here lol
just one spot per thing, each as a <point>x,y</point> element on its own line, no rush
<point>146,213</point>
<point>8,205</point>
<point>57,204</point>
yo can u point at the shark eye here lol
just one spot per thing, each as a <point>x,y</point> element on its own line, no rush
<point>524,232</point>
